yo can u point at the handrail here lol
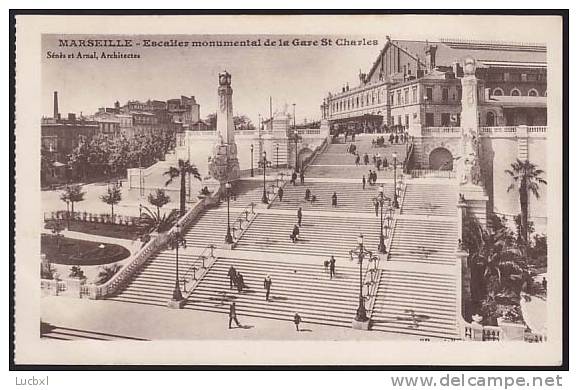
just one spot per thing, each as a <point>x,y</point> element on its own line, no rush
<point>190,273</point>
<point>145,253</point>
<point>408,162</point>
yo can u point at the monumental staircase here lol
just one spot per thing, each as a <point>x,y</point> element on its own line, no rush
<point>416,291</point>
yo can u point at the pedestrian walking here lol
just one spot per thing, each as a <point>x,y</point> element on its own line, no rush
<point>232,276</point>
<point>295,233</point>
<point>240,282</point>
<point>391,138</point>
<point>233,315</point>
<point>334,200</point>
<point>299,216</point>
<point>376,204</point>
<point>365,159</point>
<point>297,321</point>
<point>280,194</point>
<point>374,177</point>
<point>363,181</point>
<point>331,267</point>
<point>267,286</point>
<point>307,194</point>
<point>294,178</point>
<point>302,177</point>
<point>357,159</point>
<point>396,138</point>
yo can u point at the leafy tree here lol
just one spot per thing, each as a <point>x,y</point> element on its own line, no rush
<point>150,222</point>
<point>159,199</point>
<point>526,178</point>
<point>72,194</point>
<point>242,122</point>
<point>183,169</point>
<point>113,196</point>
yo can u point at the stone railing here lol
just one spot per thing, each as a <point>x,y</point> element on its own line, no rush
<point>146,252</point>
<point>498,129</point>
<point>243,221</point>
<point>537,129</point>
<point>441,130</point>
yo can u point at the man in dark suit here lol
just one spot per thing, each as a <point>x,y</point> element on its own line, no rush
<point>299,216</point>
<point>233,315</point>
<point>232,275</point>
<point>267,286</point>
<point>331,267</point>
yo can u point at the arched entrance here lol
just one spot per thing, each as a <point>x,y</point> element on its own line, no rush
<point>441,159</point>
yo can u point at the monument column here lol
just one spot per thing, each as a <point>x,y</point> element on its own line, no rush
<point>469,170</point>
<point>224,164</point>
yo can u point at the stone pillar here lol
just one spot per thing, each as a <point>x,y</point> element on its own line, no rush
<point>224,164</point>
<point>522,138</point>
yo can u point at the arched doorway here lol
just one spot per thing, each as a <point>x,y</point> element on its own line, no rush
<point>441,159</point>
<point>490,119</point>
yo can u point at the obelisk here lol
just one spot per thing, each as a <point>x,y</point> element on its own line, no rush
<point>224,164</point>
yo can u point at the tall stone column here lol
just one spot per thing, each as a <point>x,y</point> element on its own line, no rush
<point>469,171</point>
<point>223,163</point>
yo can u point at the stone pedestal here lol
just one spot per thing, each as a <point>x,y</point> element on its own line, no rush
<point>511,331</point>
<point>173,304</point>
<point>73,286</point>
<point>360,325</point>
<point>476,201</point>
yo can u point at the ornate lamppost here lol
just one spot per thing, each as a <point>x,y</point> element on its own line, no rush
<point>277,155</point>
<point>176,241</point>
<point>252,174</point>
<point>395,202</point>
<point>264,163</point>
<point>296,139</point>
<point>228,236</point>
<point>361,253</point>
<point>380,200</point>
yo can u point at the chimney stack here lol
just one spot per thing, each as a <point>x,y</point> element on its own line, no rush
<point>56,114</point>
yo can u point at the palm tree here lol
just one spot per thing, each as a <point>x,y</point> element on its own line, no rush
<point>113,196</point>
<point>159,199</point>
<point>184,168</point>
<point>107,272</point>
<point>150,222</point>
<point>527,178</point>
<point>72,194</point>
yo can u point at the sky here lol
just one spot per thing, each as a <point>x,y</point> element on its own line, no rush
<point>294,74</point>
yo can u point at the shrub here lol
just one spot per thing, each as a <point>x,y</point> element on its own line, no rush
<point>76,272</point>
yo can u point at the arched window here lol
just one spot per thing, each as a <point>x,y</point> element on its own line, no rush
<point>533,92</point>
<point>515,92</point>
<point>498,92</point>
<point>490,119</point>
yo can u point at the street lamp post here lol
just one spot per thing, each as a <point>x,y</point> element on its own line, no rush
<point>296,138</point>
<point>277,155</point>
<point>380,200</point>
<point>178,240</point>
<point>252,174</point>
<point>264,163</point>
<point>361,252</point>
<point>395,202</point>
<point>228,237</point>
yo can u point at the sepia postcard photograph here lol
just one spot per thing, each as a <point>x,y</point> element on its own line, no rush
<point>289,190</point>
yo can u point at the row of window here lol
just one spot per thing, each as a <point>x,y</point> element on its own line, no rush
<point>365,99</point>
<point>516,92</point>
<point>447,119</point>
<point>517,77</point>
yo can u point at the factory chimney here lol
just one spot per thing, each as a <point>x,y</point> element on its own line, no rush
<point>56,114</point>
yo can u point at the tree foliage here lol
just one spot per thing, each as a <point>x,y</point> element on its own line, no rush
<point>112,196</point>
<point>183,168</point>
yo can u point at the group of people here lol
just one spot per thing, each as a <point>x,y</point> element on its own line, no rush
<point>330,265</point>
<point>379,161</point>
<point>236,279</point>
<point>371,179</point>
<point>294,177</point>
